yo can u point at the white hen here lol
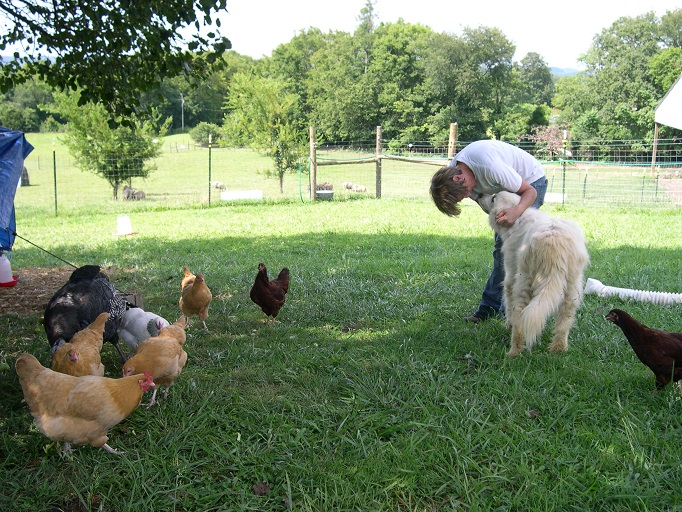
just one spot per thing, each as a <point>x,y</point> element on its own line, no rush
<point>138,325</point>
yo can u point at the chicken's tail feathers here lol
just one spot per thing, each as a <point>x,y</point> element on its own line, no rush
<point>98,323</point>
<point>27,365</point>
<point>87,272</point>
<point>283,278</point>
<point>153,328</point>
<point>180,322</point>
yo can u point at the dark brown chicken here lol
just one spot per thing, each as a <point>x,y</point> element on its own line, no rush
<point>270,295</point>
<point>661,351</point>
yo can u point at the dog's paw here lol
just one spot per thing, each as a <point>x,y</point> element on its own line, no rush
<point>558,346</point>
<point>513,352</point>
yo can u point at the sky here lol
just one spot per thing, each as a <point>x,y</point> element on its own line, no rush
<point>558,31</point>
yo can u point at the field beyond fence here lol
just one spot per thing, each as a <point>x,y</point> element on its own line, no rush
<point>614,174</point>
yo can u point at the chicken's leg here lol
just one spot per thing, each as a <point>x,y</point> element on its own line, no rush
<point>111,450</point>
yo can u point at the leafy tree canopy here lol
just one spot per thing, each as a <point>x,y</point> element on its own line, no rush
<point>261,114</point>
<point>109,50</point>
<point>115,154</point>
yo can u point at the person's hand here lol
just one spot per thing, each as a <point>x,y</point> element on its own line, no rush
<point>506,218</point>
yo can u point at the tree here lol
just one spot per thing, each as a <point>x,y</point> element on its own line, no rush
<point>536,79</point>
<point>549,141</point>
<point>116,154</point>
<point>364,33</point>
<point>109,50</point>
<point>573,97</point>
<point>292,62</point>
<point>470,81</point>
<point>397,70</point>
<point>341,94</point>
<point>666,68</point>
<point>261,115</point>
<point>620,89</point>
<point>20,106</point>
<point>521,119</point>
<point>206,133</point>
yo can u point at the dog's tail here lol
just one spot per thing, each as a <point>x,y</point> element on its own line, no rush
<point>556,258</point>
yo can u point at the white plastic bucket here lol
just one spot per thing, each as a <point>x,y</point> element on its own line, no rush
<point>124,226</point>
<point>5,270</point>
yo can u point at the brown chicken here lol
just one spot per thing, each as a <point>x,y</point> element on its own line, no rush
<point>661,351</point>
<point>195,297</point>
<point>78,410</point>
<point>81,355</point>
<point>270,295</point>
<point>162,356</point>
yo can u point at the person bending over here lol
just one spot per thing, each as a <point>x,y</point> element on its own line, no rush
<point>482,168</point>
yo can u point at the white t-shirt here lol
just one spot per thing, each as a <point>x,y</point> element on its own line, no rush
<point>498,165</point>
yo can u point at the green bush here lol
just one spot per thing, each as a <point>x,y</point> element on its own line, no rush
<point>201,133</point>
<point>51,125</point>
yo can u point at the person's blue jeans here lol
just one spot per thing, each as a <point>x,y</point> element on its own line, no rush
<point>493,293</point>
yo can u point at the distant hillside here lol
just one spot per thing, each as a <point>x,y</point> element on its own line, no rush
<point>561,72</point>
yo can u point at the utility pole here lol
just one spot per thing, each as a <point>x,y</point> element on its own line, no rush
<point>182,110</point>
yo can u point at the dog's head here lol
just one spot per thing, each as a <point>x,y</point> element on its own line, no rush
<point>503,200</point>
<point>500,201</point>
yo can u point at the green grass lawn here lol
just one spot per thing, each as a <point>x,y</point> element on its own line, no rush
<point>368,392</point>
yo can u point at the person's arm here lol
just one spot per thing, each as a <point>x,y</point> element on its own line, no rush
<point>528,194</point>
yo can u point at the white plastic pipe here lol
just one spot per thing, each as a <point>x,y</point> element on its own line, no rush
<point>663,298</point>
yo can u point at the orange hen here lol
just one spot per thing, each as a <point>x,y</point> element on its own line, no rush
<point>78,410</point>
<point>195,297</point>
<point>162,356</point>
<point>81,355</point>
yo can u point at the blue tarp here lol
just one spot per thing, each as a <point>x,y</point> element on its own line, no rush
<point>14,148</point>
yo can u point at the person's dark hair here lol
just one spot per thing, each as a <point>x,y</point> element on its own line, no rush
<point>445,191</point>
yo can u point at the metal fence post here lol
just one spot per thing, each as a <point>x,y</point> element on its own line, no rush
<point>313,163</point>
<point>54,171</point>
<point>209,169</point>
<point>378,164</point>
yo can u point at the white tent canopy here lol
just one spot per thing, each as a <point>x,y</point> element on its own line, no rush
<point>669,109</point>
<point>668,112</point>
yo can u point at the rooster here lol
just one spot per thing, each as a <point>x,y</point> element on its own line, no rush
<point>86,294</point>
<point>78,410</point>
<point>195,297</point>
<point>661,351</point>
<point>81,355</point>
<point>270,295</point>
<point>162,356</point>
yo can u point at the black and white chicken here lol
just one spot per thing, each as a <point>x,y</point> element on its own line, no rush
<point>77,304</point>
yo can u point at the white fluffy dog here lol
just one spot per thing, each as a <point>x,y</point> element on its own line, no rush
<point>544,262</point>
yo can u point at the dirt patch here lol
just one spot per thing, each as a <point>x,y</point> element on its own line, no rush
<point>34,288</point>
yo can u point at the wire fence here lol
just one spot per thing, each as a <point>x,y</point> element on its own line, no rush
<point>587,174</point>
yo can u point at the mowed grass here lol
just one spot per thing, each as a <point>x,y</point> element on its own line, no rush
<point>368,392</point>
